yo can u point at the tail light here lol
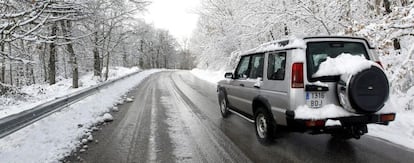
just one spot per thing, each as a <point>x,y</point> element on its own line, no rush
<point>297,75</point>
<point>315,123</point>
<point>387,117</point>
<point>378,62</point>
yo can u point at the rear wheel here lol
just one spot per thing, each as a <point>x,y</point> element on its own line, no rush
<point>265,126</point>
<point>224,110</point>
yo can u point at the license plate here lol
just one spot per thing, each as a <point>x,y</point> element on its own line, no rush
<point>315,99</point>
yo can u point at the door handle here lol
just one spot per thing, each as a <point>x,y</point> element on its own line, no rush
<point>242,85</point>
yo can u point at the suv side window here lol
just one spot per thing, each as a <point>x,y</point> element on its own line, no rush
<point>276,66</point>
<point>257,66</point>
<point>242,70</point>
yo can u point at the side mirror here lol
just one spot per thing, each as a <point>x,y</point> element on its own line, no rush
<point>228,75</point>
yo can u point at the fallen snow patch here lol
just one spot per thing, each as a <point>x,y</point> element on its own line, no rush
<point>40,93</point>
<point>319,83</point>
<point>331,122</point>
<point>129,100</point>
<point>115,109</point>
<point>343,64</point>
<point>120,102</point>
<point>327,111</point>
<point>108,117</point>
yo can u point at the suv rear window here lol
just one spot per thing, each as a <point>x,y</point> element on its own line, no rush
<point>317,52</point>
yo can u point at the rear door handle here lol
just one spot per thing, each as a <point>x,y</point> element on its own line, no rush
<point>242,85</point>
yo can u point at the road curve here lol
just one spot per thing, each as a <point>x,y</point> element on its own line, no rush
<point>175,118</point>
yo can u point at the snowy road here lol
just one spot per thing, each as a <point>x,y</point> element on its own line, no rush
<point>175,117</point>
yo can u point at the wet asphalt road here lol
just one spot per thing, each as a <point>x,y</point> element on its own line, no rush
<point>175,118</point>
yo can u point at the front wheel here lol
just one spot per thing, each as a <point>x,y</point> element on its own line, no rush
<point>265,126</point>
<point>224,110</point>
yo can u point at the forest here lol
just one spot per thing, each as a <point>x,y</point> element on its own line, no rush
<point>45,41</point>
<point>226,28</point>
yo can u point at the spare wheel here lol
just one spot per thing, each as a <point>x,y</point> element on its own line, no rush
<point>364,92</point>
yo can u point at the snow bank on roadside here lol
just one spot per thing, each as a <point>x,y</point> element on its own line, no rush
<point>208,75</point>
<point>400,131</point>
<point>41,93</point>
<point>343,64</point>
<point>54,137</point>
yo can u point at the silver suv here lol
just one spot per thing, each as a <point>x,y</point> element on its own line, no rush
<point>275,85</point>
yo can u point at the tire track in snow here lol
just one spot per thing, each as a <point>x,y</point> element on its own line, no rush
<point>184,144</point>
<point>209,137</point>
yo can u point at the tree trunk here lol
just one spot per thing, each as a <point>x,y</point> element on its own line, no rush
<point>286,30</point>
<point>18,75</point>
<point>32,74</point>
<point>387,6</point>
<point>66,26</point>
<point>65,69</point>
<point>74,64</point>
<point>96,57</point>
<point>271,35</point>
<point>141,58</point>
<point>396,43</point>
<point>52,57</point>
<point>165,61</point>
<point>404,2</point>
<point>22,77</point>
<point>377,7</point>
<point>107,49</point>
<point>10,65</point>
<point>3,62</point>
<point>43,60</point>
<point>124,57</point>
<point>107,66</point>
<point>157,63</point>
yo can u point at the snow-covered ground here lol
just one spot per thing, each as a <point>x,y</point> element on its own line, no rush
<point>54,137</point>
<point>400,131</point>
<point>41,93</point>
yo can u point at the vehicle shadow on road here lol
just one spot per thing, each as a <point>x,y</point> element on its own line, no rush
<point>340,147</point>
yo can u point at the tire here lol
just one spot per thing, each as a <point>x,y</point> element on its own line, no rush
<point>265,126</point>
<point>223,105</point>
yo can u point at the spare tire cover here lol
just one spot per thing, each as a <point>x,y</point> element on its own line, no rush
<point>368,90</point>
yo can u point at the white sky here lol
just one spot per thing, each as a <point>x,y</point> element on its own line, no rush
<point>177,16</point>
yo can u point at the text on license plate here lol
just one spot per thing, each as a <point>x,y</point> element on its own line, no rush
<point>315,99</point>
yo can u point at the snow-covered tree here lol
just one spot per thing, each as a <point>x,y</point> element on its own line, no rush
<point>49,40</point>
<point>226,28</point>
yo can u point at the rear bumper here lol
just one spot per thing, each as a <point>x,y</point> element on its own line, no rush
<point>320,125</point>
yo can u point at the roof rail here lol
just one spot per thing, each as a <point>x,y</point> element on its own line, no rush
<point>344,37</point>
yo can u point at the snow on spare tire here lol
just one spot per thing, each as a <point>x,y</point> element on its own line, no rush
<point>363,86</point>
